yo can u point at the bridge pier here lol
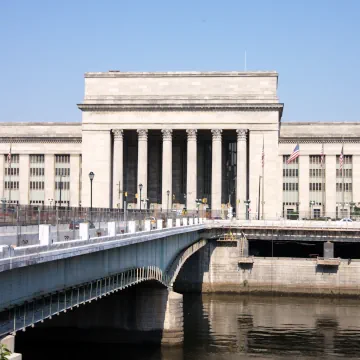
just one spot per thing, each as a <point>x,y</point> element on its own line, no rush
<point>9,342</point>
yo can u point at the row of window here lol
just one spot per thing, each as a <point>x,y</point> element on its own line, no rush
<point>347,187</point>
<point>286,157</point>
<point>62,158</point>
<point>316,172</point>
<point>14,158</point>
<point>11,185</point>
<point>12,171</point>
<point>64,185</point>
<point>37,171</point>
<point>346,172</point>
<point>62,171</point>
<point>290,186</point>
<point>37,159</point>
<point>347,159</point>
<point>316,159</point>
<point>317,187</point>
<point>36,202</point>
<point>290,173</point>
<point>37,185</point>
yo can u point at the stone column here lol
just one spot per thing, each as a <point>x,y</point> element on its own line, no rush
<point>167,169</point>
<point>216,172</point>
<point>241,174</point>
<point>74,180</point>
<point>191,184</point>
<point>118,168</point>
<point>142,165</point>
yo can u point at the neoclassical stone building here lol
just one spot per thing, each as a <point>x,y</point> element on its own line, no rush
<point>183,136</point>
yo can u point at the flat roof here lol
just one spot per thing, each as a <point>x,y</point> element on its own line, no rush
<point>118,73</point>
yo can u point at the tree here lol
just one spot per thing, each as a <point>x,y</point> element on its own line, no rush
<point>4,352</point>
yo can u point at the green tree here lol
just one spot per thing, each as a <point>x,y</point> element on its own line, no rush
<point>4,352</point>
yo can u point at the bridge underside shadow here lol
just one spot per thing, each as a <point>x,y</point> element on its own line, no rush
<point>146,313</point>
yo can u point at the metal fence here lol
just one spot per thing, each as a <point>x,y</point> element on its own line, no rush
<point>19,225</point>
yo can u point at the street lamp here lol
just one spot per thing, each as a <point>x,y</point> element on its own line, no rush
<point>91,177</point>
<point>140,187</point>
<point>168,194</point>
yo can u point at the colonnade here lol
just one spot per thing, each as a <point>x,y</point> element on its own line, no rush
<point>191,181</point>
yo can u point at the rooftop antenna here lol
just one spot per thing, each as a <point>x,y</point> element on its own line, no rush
<point>245,61</point>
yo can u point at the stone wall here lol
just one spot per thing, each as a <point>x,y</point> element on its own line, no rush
<point>215,269</point>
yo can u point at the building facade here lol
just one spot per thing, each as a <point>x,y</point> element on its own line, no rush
<point>184,139</point>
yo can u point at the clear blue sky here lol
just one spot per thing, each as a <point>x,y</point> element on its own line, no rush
<point>46,46</point>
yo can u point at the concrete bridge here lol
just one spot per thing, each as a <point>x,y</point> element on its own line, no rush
<point>40,281</point>
<point>44,280</point>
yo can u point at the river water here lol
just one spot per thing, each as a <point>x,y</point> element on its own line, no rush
<point>241,327</point>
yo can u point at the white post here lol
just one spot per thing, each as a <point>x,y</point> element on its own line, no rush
<point>169,223</point>
<point>185,221</point>
<point>112,228</point>
<point>200,220</point>
<point>196,221</point>
<point>44,235</point>
<point>147,225</point>
<point>84,231</point>
<point>191,221</point>
<point>132,226</point>
<point>177,223</point>
<point>159,224</point>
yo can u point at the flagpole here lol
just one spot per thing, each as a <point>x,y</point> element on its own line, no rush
<point>342,174</point>
<point>263,184</point>
<point>323,178</point>
<point>9,170</point>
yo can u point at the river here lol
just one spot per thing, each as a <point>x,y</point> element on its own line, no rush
<point>240,327</point>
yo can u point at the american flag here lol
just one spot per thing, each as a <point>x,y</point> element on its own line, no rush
<point>294,155</point>
<point>341,159</point>
<point>322,156</point>
<point>263,155</point>
<point>9,156</point>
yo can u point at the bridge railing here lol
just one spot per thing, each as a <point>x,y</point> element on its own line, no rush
<point>65,222</point>
<point>284,223</point>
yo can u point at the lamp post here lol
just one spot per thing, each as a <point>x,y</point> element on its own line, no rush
<point>168,194</point>
<point>140,187</point>
<point>91,177</point>
<point>312,203</point>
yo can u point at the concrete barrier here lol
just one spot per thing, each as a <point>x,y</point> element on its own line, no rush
<point>169,223</point>
<point>191,221</point>
<point>159,224</point>
<point>132,226</point>
<point>111,228</point>
<point>84,231</point>
<point>177,222</point>
<point>44,235</point>
<point>147,225</point>
<point>185,221</point>
<point>196,221</point>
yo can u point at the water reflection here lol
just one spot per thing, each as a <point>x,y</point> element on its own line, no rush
<point>281,327</point>
<point>237,327</point>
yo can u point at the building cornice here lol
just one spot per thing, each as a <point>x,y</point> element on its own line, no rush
<point>181,107</point>
<point>319,140</point>
<point>41,140</point>
<point>183,74</point>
